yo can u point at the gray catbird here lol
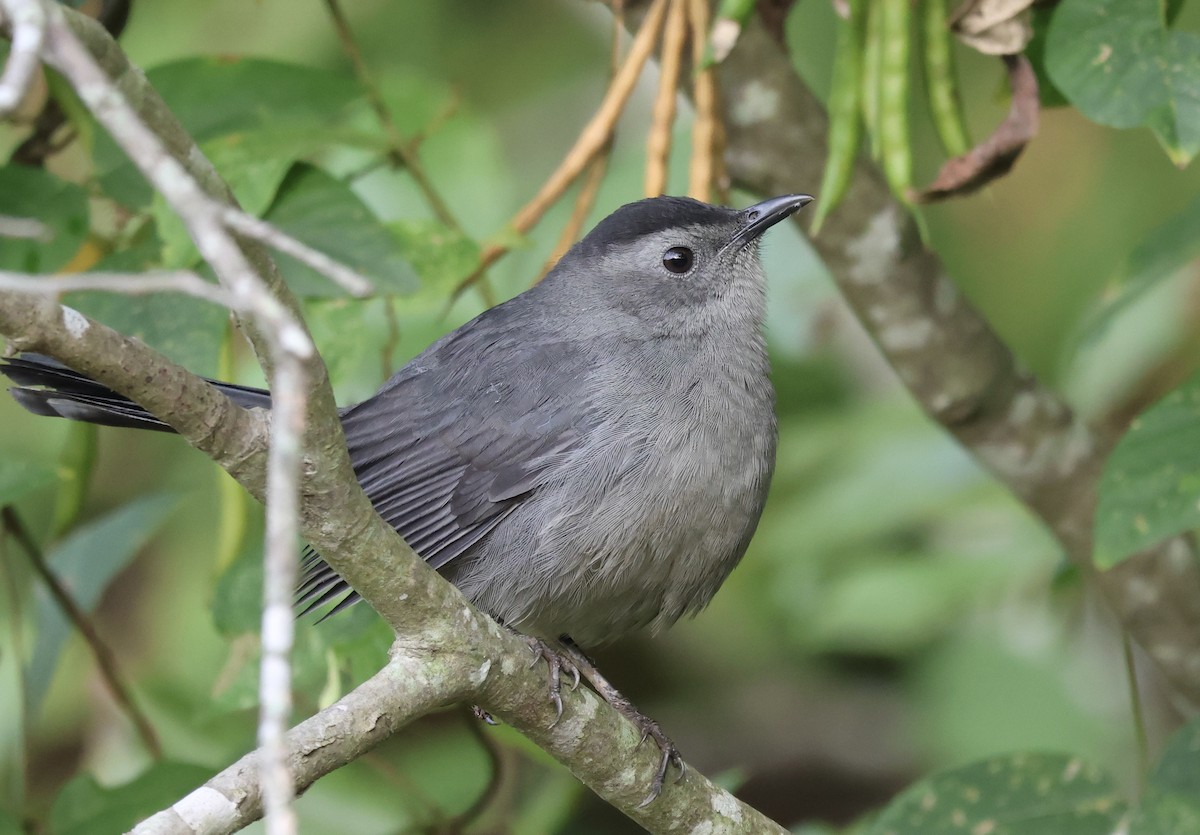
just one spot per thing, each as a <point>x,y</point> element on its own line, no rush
<point>582,461</point>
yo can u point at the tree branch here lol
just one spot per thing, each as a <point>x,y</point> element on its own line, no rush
<point>950,359</point>
<point>447,651</point>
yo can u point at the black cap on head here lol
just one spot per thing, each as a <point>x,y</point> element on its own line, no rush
<point>653,214</point>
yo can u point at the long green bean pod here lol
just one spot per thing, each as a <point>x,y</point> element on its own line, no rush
<point>872,54</point>
<point>845,116</point>
<point>894,146</point>
<point>941,84</point>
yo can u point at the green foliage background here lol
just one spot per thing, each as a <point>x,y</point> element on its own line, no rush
<point>897,613</point>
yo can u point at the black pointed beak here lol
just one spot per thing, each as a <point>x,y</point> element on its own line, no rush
<point>762,216</point>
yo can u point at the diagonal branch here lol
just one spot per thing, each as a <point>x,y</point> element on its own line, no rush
<point>949,357</point>
<point>448,650</point>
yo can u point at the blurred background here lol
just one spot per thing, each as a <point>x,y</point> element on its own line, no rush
<point>897,611</point>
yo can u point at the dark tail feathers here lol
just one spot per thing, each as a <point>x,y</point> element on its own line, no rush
<point>47,387</point>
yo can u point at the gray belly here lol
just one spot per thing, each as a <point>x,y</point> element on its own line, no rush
<point>633,536</point>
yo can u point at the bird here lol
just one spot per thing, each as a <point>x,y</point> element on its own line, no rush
<point>583,461</point>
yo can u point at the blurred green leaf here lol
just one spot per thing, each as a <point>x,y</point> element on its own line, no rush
<point>548,805</point>
<point>1178,769</point>
<point>326,214</point>
<point>253,117</point>
<point>14,751</point>
<point>85,563</point>
<point>1171,802</point>
<point>239,690</point>
<point>1048,93</point>
<point>10,824</point>
<point>185,329</point>
<point>1172,10</point>
<point>351,335</point>
<point>893,606</point>
<point>75,464</point>
<point>19,477</point>
<point>1150,488</point>
<point>237,602</point>
<point>1117,61</point>
<point>1166,250</point>
<point>1015,794</point>
<point>84,807</point>
<point>1162,812</point>
<point>441,256</point>
<point>219,95</point>
<point>34,194</point>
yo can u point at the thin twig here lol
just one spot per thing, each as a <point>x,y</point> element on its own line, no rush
<point>586,198</point>
<point>26,228</point>
<point>658,144</point>
<point>106,660</point>
<point>444,114</point>
<point>28,22</point>
<point>704,131</point>
<point>208,223</point>
<point>591,141</point>
<point>159,281</point>
<point>288,408</point>
<point>584,201</point>
<point>1136,710</point>
<point>399,148</point>
<point>401,152</point>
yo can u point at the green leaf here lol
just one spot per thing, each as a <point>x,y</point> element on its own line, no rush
<point>1162,253</point>
<point>84,807</point>
<point>441,256</point>
<point>1015,794</point>
<point>32,193</point>
<point>1048,94</point>
<point>1150,487</point>
<point>216,96</point>
<point>10,824</point>
<point>85,563</point>
<point>19,478</point>
<point>252,117</point>
<point>76,462</point>
<point>1171,802</point>
<point>1165,812</point>
<point>237,603</point>
<point>1117,61</point>
<point>185,329</point>
<point>893,606</point>
<point>326,214</point>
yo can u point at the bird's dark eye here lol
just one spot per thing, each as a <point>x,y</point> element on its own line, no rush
<point>678,259</point>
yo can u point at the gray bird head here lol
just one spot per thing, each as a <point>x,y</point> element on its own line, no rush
<point>676,263</point>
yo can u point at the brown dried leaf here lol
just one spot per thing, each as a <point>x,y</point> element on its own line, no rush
<point>995,156</point>
<point>993,27</point>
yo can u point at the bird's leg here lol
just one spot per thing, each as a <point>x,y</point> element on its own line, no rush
<point>556,662</point>
<point>648,727</point>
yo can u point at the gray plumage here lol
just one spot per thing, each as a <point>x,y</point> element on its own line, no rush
<point>587,459</point>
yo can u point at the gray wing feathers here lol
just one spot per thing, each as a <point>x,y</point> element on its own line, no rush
<point>465,459</point>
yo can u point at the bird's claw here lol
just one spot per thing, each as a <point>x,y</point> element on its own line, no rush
<point>556,663</point>
<point>670,755</point>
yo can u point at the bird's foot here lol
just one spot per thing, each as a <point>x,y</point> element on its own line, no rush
<point>556,662</point>
<point>670,754</point>
<point>647,726</point>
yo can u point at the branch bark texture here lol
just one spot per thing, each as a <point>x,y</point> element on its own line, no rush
<point>446,650</point>
<point>950,358</point>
